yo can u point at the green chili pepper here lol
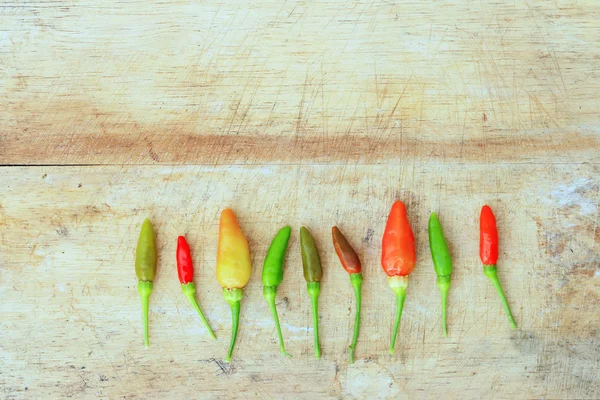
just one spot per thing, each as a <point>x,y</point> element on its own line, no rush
<point>442,261</point>
<point>313,273</point>
<point>272,275</point>
<point>145,269</point>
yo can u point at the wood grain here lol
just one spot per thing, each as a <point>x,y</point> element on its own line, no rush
<point>218,82</point>
<point>297,113</point>
<point>71,323</point>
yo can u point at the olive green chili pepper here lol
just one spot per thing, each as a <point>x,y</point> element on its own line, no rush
<point>442,261</point>
<point>272,275</point>
<point>313,273</point>
<point>145,269</point>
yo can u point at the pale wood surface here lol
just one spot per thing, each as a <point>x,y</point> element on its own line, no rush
<point>218,82</point>
<point>298,113</point>
<point>69,290</point>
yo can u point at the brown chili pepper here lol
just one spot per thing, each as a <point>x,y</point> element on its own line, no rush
<point>351,264</point>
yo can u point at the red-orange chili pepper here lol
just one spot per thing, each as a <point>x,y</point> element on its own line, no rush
<point>185,271</point>
<point>488,252</point>
<point>398,258</point>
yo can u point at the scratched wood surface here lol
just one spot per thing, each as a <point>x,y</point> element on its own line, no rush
<point>221,82</point>
<point>298,113</point>
<point>71,316</point>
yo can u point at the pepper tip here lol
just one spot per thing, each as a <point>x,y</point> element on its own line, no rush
<point>486,209</point>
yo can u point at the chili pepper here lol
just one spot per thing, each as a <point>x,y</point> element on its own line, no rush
<point>233,267</point>
<point>398,258</point>
<point>488,252</point>
<point>351,264</point>
<point>185,271</point>
<point>272,275</point>
<point>313,272</point>
<point>145,269</point>
<point>442,261</point>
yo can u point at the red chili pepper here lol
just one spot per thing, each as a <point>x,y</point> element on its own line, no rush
<point>398,258</point>
<point>488,252</point>
<point>488,234</point>
<point>185,267</point>
<point>185,271</point>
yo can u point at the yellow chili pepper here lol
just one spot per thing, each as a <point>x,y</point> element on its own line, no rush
<point>233,267</point>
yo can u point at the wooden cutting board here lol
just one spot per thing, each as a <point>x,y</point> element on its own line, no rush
<point>298,113</point>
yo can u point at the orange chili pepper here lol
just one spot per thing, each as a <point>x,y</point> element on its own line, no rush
<point>398,258</point>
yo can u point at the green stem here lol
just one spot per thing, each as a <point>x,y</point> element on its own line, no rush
<point>356,280</point>
<point>492,272</point>
<point>145,288</point>
<point>234,298</point>
<point>444,285</point>
<point>314,288</point>
<point>269,293</point>
<point>189,289</point>
<point>400,297</point>
<point>398,285</point>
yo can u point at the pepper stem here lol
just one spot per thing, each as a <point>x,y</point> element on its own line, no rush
<point>356,280</point>
<point>398,285</point>
<point>492,272</point>
<point>234,298</point>
<point>145,288</point>
<point>269,293</point>
<point>189,289</point>
<point>314,288</point>
<point>444,285</point>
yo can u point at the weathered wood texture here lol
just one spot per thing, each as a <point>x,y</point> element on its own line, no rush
<point>224,82</point>
<point>302,113</point>
<point>71,321</point>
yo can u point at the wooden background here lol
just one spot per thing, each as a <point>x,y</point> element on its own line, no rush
<point>298,112</point>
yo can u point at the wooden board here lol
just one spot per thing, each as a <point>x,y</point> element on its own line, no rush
<point>297,113</point>
<point>219,83</point>
<point>71,316</point>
